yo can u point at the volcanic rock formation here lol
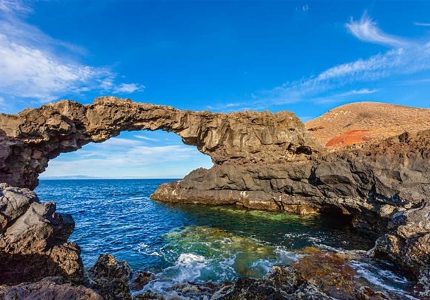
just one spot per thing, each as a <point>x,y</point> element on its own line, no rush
<point>33,137</point>
<point>261,161</point>
<point>48,288</point>
<point>384,188</point>
<point>33,239</point>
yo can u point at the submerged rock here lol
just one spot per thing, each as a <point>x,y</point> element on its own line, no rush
<point>211,249</point>
<point>317,275</point>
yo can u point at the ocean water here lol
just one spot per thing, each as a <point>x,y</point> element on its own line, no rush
<point>198,243</point>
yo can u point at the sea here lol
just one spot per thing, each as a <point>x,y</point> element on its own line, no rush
<point>198,243</point>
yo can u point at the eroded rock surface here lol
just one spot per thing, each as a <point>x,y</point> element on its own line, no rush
<point>48,288</point>
<point>33,240</point>
<point>111,278</point>
<point>316,275</point>
<point>384,188</point>
<point>261,161</point>
<point>33,137</point>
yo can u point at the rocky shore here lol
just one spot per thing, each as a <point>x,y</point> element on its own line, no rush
<point>261,161</point>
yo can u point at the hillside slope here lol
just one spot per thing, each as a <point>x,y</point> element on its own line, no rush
<point>366,121</point>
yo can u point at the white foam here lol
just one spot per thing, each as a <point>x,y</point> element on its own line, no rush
<point>190,258</point>
<point>286,256</point>
<point>380,278</point>
<point>146,249</point>
<point>263,264</point>
<point>188,267</point>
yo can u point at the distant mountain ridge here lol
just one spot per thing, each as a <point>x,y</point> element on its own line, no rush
<point>68,177</point>
<point>83,177</point>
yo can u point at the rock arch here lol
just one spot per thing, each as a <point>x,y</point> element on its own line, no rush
<point>261,160</point>
<point>31,138</point>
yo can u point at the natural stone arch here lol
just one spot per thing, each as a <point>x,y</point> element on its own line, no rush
<point>31,138</point>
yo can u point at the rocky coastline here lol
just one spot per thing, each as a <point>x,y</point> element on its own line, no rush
<point>261,161</point>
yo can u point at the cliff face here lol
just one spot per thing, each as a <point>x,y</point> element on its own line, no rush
<point>381,187</point>
<point>384,176</point>
<point>33,137</point>
<point>261,161</point>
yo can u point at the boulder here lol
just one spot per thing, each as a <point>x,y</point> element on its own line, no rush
<point>48,288</point>
<point>33,244</point>
<point>110,278</point>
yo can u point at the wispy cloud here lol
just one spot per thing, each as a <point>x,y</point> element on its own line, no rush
<point>367,30</point>
<point>13,6</point>
<point>403,59</point>
<point>422,24</point>
<point>37,66</point>
<point>128,88</point>
<point>119,142</point>
<point>340,97</point>
<point>119,157</point>
<point>143,137</point>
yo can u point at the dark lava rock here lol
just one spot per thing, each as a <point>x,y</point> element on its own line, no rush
<point>320,275</point>
<point>140,279</point>
<point>110,278</point>
<point>33,240</point>
<point>383,188</point>
<point>316,275</point>
<point>31,138</point>
<point>261,161</point>
<point>48,288</point>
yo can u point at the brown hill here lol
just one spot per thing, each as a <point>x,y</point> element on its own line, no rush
<point>366,121</point>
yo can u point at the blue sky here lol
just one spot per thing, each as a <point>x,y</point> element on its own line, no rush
<point>302,56</point>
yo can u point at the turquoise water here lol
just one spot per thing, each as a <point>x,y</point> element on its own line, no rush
<point>193,242</point>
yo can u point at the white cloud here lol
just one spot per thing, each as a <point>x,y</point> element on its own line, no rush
<point>34,73</point>
<point>35,65</point>
<point>128,88</point>
<point>344,96</point>
<point>121,157</point>
<point>413,58</point>
<point>422,24</point>
<point>361,92</point>
<point>367,30</point>
<point>142,137</point>
<point>113,142</point>
<point>395,62</point>
<point>10,6</point>
<point>129,151</point>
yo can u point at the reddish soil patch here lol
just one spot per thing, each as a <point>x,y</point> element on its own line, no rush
<point>349,138</point>
<point>358,123</point>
